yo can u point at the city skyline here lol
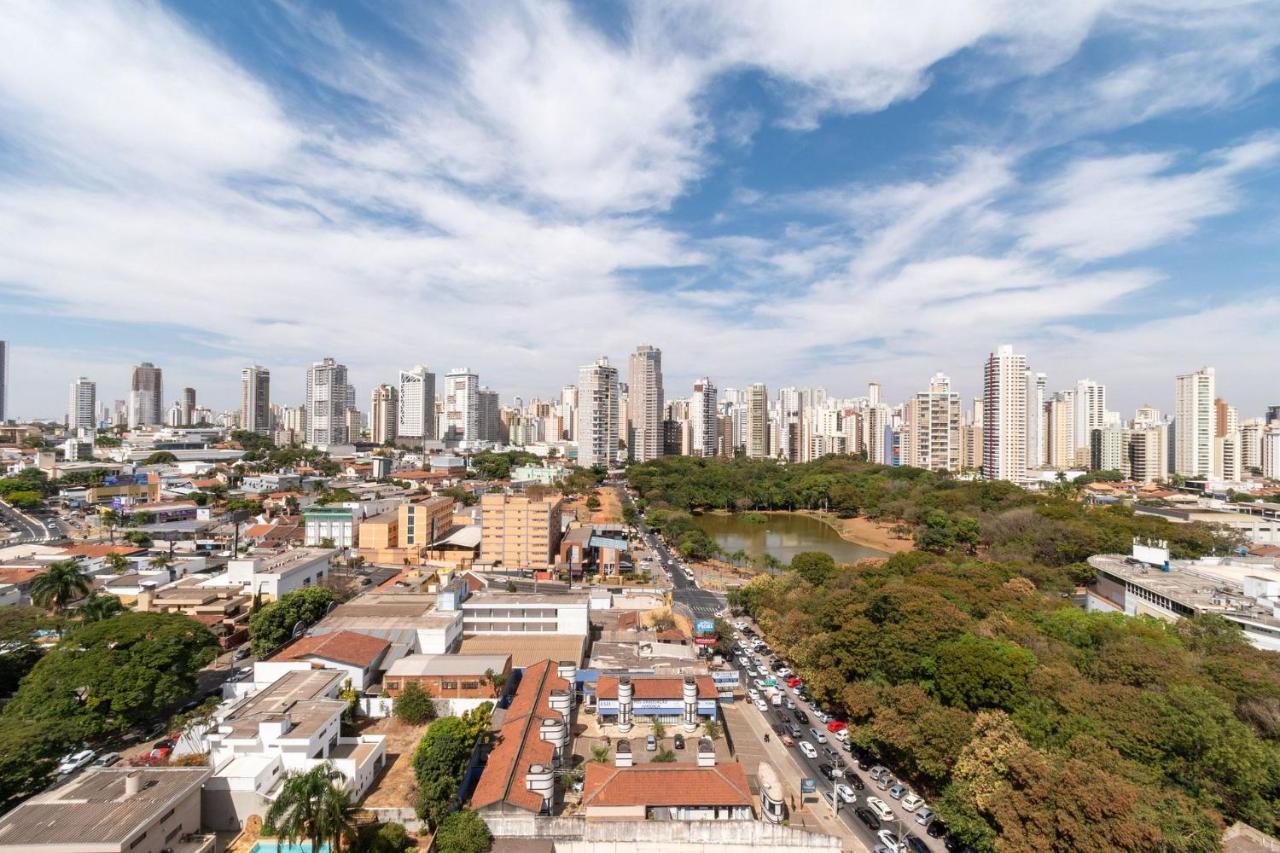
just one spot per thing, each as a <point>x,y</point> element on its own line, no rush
<point>1094,184</point>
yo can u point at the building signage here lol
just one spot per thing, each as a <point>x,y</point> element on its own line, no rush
<point>704,626</point>
<point>809,785</point>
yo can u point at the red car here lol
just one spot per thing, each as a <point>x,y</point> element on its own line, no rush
<point>793,681</point>
<point>835,726</point>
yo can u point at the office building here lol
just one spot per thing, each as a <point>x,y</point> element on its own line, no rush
<point>645,401</point>
<point>519,532</point>
<point>146,396</point>
<point>188,406</point>
<point>1195,417</point>
<point>597,414</point>
<point>1004,416</point>
<point>931,428</point>
<point>704,418</point>
<point>757,430</point>
<point>384,414</point>
<point>490,415</point>
<point>328,397</point>
<point>417,400</point>
<point>255,400</point>
<point>461,406</point>
<point>81,406</point>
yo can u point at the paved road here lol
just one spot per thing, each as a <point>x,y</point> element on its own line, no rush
<point>903,824</point>
<point>704,603</point>
<point>29,529</point>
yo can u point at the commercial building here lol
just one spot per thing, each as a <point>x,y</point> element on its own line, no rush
<point>255,400</point>
<point>333,525</point>
<point>620,700</point>
<point>113,810</point>
<point>359,656</point>
<point>271,576</point>
<point>493,612</point>
<point>645,402</point>
<point>406,534</point>
<point>1195,418</point>
<point>597,414</point>
<point>417,402</point>
<point>453,677</point>
<point>328,397</point>
<point>520,532</point>
<point>384,414</point>
<point>82,405</point>
<point>670,792</point>
<point>1004,417</point>
<point>146,396</point>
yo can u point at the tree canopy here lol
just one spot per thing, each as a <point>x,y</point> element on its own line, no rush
<point>271,626</point>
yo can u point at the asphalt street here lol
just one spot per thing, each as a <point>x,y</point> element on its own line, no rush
<point>29,529</point>
<point>703,603</point>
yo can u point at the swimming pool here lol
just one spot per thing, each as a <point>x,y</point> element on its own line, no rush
<point>291,847</point>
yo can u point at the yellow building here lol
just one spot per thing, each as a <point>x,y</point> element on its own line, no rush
<point>519,532</point>
<point>403,535</point>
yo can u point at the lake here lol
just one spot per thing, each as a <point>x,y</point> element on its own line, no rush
<point>781,535</point>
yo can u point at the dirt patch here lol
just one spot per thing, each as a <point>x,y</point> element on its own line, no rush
<point>881,535</point>
<point>396,788</point>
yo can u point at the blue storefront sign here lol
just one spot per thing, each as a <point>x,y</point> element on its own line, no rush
<point>809,785</point>
<point>704,626</point>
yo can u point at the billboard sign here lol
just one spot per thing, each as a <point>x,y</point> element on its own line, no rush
<point>704,626</point>
<point>809,785</point>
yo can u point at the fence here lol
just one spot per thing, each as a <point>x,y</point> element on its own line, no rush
<point>579,835</point>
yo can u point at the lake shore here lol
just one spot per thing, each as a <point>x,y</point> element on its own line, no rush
<point>863,531</point>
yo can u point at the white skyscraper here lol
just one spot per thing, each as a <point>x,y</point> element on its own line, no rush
<point>327,399</point>
<point>82,406</point>
<point>4,379</point>
<point>1035,419</point>
<point>255,400</point>
<point>384,414</point>
<point>417,416</point>
<point>1004,416</point>
<point>1090,413</point>
<point>757,431</point>
<point>1194,424</point>
<point>597,413</point>
<point>645,401</point>
<point>931,427</point>
<point>704,415</point>
<point>461,405</point>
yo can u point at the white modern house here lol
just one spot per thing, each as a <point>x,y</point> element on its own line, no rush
<point>271,576</point>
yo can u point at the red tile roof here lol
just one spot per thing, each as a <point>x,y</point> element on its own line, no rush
<point>519,743</point>
<point>666,785</point>
<point>346,647</point>
<point>19,576</point>
<point>655,688</point>
<point>92,550</point>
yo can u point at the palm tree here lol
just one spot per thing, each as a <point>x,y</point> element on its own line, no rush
<point>110,519</point>
<point>116,562</point>
<point>162,562</point>
<point>61,584</point>
<point>711,728</point>
<point>311,807</point>
<point>98,607</point>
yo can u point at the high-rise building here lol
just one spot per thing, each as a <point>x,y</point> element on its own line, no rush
<point>1195,419</point>
<point>931,428</point>
<point>597,413</point>
<point>1060,424</point>
<point>255,400</point>
<point>1004,416</point>
<point>461,405</point>
<point>188,406</point>
<point>1090,413</point>
<point>1251,444</point>
<point>1226,418</point>
<point>384,414</point>
<point>705,418</point>
<point>328,397</point>
<point>520,532</point>
<point>1036,433</point>
<point>757,440</point>
<point>82,406</point>
<point>645,401</point>
<point>1144,456</point>
<point>146,396</point>
<point>417,420</point>
<point>489,426</point>
<point>1271,451</point>
<point>4,380</point>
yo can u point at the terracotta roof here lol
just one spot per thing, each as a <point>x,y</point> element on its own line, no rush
<point>655,688</point>
<point>19,576</point>
<point>91,550</point>
<point>519,743</point>
<point>346,647</point>
<point>666,785</point>
<point>259,530</point>
<point>206,484</point>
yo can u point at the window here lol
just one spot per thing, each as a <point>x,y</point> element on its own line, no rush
<point>167,815</point>
<point>470,685</point>
<point>448,685</point>
<point>137,841</point>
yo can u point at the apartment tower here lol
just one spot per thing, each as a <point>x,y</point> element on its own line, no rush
<point>597,413</point>
<point>1195,427</point>
<point>255,400</point>
<point>417,400</point>
<point>1004,416</point>
<point>81,406</point>
<point>645,401</point>
<point>328,398</point>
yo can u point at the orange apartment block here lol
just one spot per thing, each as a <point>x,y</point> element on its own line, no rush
<point>519,532</point>
<point>403,536</point>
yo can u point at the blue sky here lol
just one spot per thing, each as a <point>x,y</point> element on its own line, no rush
<point>796,193</point>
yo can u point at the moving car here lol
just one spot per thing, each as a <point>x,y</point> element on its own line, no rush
<point>808,750</point>
<point>845,793</point>
<point>888,839</point>
<point>817,735</point>
<point>73,762</point>
<point>868,817</point>
<point>107,759</point>
<point>829,771</point>
<point>762,705</point>
<point>856,782</point>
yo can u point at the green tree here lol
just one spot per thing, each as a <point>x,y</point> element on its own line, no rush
<point>711,728</point>
<point>117,563</point>
<point>463,832</point>
<point>814,566</point>
<point>272,626</point>
<point>59,585</point>
<point>19,627</point>
<point>383,838</point>
<point>663,756</point>
<point>110,519</point>
<point>160,457</point>
<point>974,673</point>
<point>414,705</point>
<point>25,500</point>
<point>600,754</point>
<point>311,807</point>
<point>97,607</point>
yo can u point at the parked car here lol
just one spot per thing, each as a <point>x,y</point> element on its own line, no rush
<point>886,782</point>
<point>899,791</point>
<point>911,802</point>
<point>802,718</point>
<point>240,654</point>
<point>107,759</point>
<point>679,741</point>
<point>880,807</point>
<point>73,762</point>
<point>937,829</point>
<point>808,750</point>
<point>916,845</point>
<point>845,793</point>
<point>753,694</point>
<point>651,743</point>
<point>868,818</point>
<point>924,815</point>
<point>888,839</point>
<point>791,706</point>
<point>878,771</point>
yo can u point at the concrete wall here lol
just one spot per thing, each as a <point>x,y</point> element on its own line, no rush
<point>226,811</point>
<point>577,835</point>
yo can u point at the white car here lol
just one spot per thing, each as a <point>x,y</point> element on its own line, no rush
<point>888,839</point>
<point>880,807</point>
<point>783,672</point>
<point>753,694</point>
<point>791,706</point>
<point>845,792</point>
<point>807,749</point>
<point>73,762</point>
<point>762,705</point>
<point>911,802</point>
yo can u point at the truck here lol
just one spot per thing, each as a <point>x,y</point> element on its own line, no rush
<point>773,695</point>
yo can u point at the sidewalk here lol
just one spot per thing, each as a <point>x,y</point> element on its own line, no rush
<point>748,737</point>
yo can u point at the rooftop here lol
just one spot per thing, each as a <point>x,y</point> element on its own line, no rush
<point>656,687</point>
<point>527,649</point>
<point>666,785</point>
<point>95,809</point>
<point>347,647</point>
<point>448,665</point>
<point>1210,585</point>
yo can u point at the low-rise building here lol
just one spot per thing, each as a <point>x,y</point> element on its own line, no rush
<point>270,576</point>
<point>688,700</point>
<point>409,619</point>
<point>407,534</point>
<point>113,810</point>
<point>330,526</point>
<point>497,612</point>
<point>478,677</point>
<point>667,792</point>
<point>360,656</point>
